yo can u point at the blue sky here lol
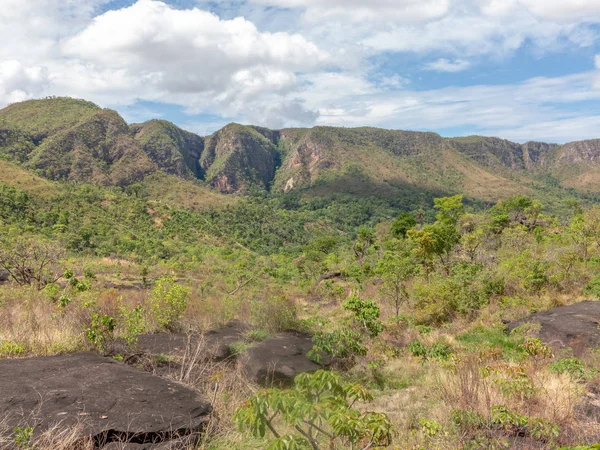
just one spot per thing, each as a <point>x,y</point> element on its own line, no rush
<point>517,69</point>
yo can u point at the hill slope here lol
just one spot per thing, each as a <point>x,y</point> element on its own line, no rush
<point>75,140</point>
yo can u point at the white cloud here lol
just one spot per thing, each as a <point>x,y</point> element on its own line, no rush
<point>189,57</point>
<point>446,65</point>
<point>19,82</point>
<point>509,111</point>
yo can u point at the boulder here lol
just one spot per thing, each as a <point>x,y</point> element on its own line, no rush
<point>279,359</point>
<point>109,401</point>
<point>574,326</point>
<point>215,343</point>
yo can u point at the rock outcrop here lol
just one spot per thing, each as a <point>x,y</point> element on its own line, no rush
<point>574,326</point>
<point>109,401</point>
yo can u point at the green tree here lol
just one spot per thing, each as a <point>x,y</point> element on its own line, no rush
<point>366,312</point>
<point>364,240</point>
<point>395,269</point>
<point>402,224</point>
<point>449,209</point>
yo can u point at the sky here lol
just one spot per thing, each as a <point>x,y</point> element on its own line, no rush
<point>517,69</point>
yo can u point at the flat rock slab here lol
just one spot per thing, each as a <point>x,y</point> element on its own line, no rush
<point>279,359</point>
<point>109,399</point>
<point>216,343</point>
<point>574,326</point>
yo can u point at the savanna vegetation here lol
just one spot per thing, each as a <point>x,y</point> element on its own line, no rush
<point>404,285</point>
<point>412,308</point>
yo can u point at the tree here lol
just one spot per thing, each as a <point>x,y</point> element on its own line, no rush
<point>364,240</point>
<point>31,262</point>
<point>438,239</point>
<point>320,410</point>
<point>449,209</point>
<point>395,268</point>
<point>402,224</point>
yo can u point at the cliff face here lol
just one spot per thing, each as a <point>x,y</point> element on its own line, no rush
<point>67,139</point>
<point>238,158</point>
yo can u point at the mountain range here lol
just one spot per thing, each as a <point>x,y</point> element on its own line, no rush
<point>75,140</point>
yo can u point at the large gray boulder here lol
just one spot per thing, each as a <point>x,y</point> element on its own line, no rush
<point>279,359</point>
<point>574,326</point>
<point>111,401</point>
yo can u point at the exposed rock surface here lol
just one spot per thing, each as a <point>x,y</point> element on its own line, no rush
<point>279,359</point>
<point>108,399</point>
<point>216,343</point>
<point>574,326</point>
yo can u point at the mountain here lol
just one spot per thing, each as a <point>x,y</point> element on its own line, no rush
<point>75,140</point>
<point>174,150</point>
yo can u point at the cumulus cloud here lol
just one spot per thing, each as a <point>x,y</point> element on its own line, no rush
<point>19,82</point>
<point>446,65</point>
<point>191,57</point>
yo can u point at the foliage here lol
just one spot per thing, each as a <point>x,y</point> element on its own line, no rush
<point>133,324</point>
<point>319,408</point>
<point>168,301</point>
<point>366,312</point>
<point>402,224</point>
<point>100,331</point>
<point>574,367</point>
<point>438,350</point>
<point>341,344</point>
<point>23,436</point>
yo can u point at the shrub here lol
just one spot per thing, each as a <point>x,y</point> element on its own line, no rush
<point>438,350</point>
<point>320,404</point>
<point>133,324</point>
<point>274,314</point>
<point>572,366</point>
<point>593,287</point>
<point>100,332</point>
<point>366,312</point>
<point>257,335</point>
<point>10,349</point>
<point>168,302</point>
<point>341,344</point>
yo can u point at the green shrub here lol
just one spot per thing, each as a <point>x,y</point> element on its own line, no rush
<point>168,302</point>
<point>318,404</point>
<point>258,335</point>
<point>366,312</point>
<point>341,344</point>
<point>100,332</point>
<point>133,324</point>
<point>10,349</point>
<point>593,287</point>
<point>438,350</point>
<point>572,366</point>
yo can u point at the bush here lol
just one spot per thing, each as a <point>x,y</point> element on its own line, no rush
<point>593,287</point>
<point>168,302</point>
<point>320,404</point>
<point>366,312</point>
<point>438,350</point>
<point>274,314</point>
<point>572,366</point>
